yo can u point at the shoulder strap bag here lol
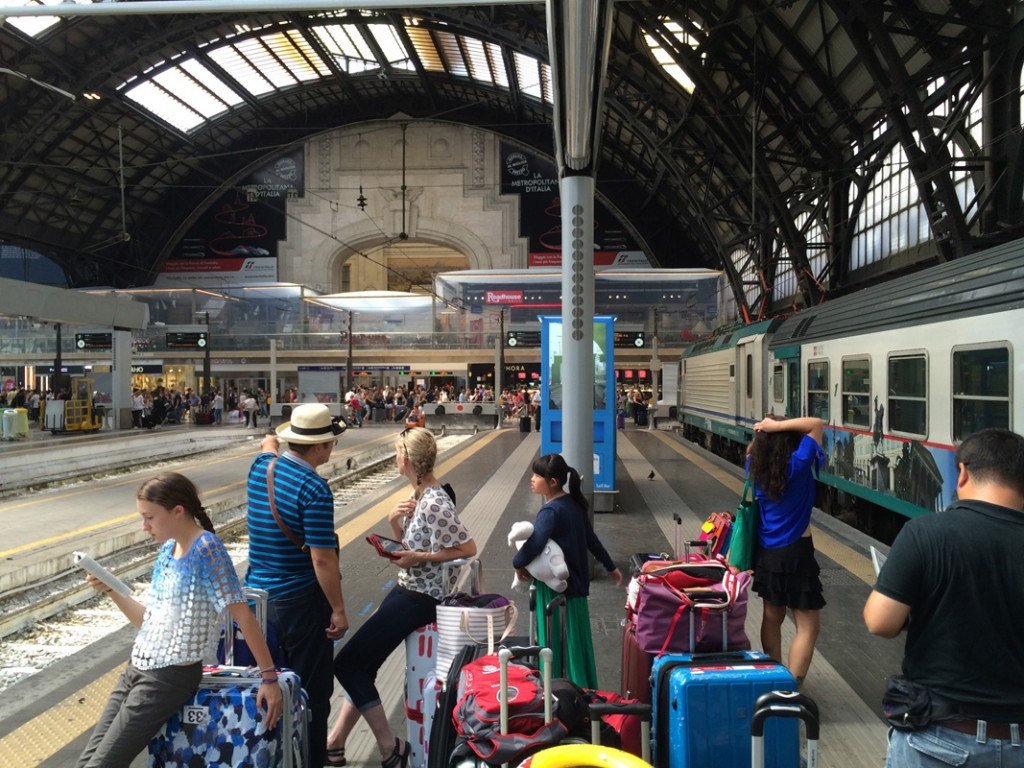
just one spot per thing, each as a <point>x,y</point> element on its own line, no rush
<point>743,539</point>
<point>292,536</point>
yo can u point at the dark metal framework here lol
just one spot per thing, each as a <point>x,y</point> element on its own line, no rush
<point>795,103</point>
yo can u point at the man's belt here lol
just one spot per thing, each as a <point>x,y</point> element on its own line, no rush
<point>992,730</point>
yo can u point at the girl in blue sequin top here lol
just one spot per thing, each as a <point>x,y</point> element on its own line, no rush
<point>193,582</point>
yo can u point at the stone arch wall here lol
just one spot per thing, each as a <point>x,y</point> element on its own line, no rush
<point>452,199</point>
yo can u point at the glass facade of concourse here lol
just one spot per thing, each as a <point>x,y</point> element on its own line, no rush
<point>463,313</point>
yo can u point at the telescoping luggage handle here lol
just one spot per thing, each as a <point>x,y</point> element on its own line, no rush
<point>258,597</point>
<point>505,655</point>
<point>463,563</point>
<point>549,612</point>
<point>682,548</point>
<point>783,704</point>
<point>620,708</point>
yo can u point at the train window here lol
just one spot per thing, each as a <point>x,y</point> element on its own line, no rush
<point>750,376</point>
<point>908,395</point>
<point>857,392</point>
<point>779,383</point>
<point>817,390</point>
<point>981,390</point>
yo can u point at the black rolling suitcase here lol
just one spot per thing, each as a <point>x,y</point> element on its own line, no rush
<point>784,704</point>
<point>641,416</point>
<point>524,423</point>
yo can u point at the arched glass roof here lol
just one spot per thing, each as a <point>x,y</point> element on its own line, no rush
<point>720,122</point>
<point>189,91</point>
<point>665,58</point>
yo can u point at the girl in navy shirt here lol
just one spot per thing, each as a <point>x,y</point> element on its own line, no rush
<point>782,460</point>
<point>563,518</point>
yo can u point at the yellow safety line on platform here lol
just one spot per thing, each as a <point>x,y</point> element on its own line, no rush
<point>106,523</point>
<point>70,494</point>
<point>856,563</point>
<point>118,520</point>
<point>68,535</point>
<point>46,734</point>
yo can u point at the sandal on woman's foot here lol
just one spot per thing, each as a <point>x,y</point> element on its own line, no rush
<point>399,758</point>
<point>336,757</point>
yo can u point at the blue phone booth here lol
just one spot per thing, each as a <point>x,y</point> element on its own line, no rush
<point>604,396</point>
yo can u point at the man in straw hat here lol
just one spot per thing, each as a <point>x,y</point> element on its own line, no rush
<point>293,554</point>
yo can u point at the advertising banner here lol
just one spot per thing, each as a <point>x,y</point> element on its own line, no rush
<point>494,296</point>
<point>235,240</point>
<point>535,180</point>
<point>551,424</point>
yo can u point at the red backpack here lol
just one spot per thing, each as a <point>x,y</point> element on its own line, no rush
<point>477,716</point>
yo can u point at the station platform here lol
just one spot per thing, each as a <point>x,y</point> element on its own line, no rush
<point>45,719</point>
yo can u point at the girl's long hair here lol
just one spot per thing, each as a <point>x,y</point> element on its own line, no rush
<point>770,453</point>
<point>169,489</point>
<point>553,467</point>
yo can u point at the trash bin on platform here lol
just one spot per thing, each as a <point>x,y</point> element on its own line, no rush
<point>20,423</point>
<point>7,420</point>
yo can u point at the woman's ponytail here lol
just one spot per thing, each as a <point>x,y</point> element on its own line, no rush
<point>576,488</point>
<point>203,518</point>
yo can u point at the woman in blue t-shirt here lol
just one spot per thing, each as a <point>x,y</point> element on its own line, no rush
<point>782,461</point>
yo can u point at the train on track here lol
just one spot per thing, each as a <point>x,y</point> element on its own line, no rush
<point>900,373</point>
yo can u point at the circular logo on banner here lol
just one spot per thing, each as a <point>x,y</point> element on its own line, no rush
<point>512,341</point>
<point>517,164</point>
<point>201,342</point>
<point>638,342</point>
<point>80,343</point>
<point>286,169</point>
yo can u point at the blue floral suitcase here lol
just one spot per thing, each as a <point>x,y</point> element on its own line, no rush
<point>221,727</point>
<point>703,705</point>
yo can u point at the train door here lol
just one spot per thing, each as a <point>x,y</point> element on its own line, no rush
<point>793,390</point>
<point>786,382</point>
<point>749,381</point>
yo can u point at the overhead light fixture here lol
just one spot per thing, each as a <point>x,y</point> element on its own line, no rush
<point>361,200</point>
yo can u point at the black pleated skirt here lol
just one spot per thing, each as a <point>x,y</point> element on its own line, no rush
<point>789,576</point>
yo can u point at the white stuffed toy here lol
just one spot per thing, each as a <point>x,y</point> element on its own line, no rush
<point>549,566</point>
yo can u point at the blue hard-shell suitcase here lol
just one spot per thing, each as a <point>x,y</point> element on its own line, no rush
<point>221,726</point>
<point>703,705</point>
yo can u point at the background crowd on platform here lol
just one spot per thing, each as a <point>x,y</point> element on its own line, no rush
<point>403,404</point>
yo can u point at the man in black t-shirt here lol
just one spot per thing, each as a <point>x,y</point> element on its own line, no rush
<point>955,582</point>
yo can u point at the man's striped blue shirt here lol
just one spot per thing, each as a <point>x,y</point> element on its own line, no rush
<point>306,506</point>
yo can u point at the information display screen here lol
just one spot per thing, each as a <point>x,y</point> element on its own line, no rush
<point>186,340</point>
<point>93,341</point>
<point>516,339</point>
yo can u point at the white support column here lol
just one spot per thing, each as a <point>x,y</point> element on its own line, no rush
<point>275,385</point>
<point>577,195</point>
<point>121,378</point>
<point>499,377</point>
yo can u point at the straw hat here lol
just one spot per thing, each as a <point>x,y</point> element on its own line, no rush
<point>311,423</point>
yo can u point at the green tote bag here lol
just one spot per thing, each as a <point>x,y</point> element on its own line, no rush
<point>744,531</point>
